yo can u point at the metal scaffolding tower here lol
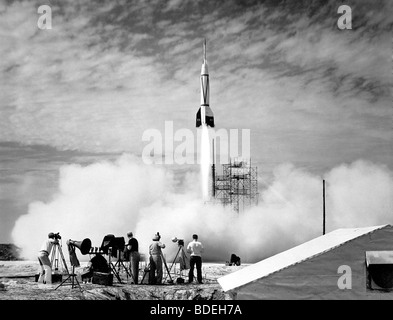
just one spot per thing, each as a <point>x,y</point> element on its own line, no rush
<point>237,186</point>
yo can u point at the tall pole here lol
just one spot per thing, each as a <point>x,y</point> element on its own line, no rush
<point>324,212</point>
<point>214,174</point>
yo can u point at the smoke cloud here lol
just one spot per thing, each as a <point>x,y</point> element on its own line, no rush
<point>114,197</point>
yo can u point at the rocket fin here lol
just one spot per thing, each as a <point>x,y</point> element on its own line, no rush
<point>209,117</point>
<point>198,118</point>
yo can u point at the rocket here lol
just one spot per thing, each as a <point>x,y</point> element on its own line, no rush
<point>204,116</point>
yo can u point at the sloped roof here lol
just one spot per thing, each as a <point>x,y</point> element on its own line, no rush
<point>293,256</point>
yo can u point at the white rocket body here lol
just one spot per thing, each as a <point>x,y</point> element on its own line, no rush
<point>205,115</point>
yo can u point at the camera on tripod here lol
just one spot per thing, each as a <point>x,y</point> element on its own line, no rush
<point>180,242</point>
<point>57,236</point>
<point>116,244</point>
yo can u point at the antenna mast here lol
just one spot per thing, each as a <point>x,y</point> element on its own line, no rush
<point>204,51</point>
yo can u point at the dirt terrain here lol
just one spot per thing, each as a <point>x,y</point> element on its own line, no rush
<point>17,282</point>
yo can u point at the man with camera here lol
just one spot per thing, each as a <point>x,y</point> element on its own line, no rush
<point>156,260</point>
<point>43,258</point>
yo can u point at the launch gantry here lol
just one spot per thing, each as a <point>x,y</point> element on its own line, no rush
<point>237,186</point>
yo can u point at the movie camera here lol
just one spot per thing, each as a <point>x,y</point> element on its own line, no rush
<point>180,257</point>
<point>57,236</point>
<point>180,242</point>
<point>116,244</point>
<point>114,247</point>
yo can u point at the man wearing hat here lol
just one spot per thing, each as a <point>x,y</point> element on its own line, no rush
<point>43,258</point>
<point>156,260</point>
<point>134,257</point>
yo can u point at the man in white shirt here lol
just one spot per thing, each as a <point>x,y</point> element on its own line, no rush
<point>43,258</point>
<point>195,248</point>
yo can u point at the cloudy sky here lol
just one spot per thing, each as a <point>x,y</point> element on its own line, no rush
<point>312,94</point>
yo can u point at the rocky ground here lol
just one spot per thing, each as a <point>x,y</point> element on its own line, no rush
<point>17,282</point>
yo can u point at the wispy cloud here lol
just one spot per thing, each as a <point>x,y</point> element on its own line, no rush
<point>283,70</point>
<point>312,94</point>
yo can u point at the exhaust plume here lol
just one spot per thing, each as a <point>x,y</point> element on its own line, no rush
<point>205,162</point>
<point>114,197</point>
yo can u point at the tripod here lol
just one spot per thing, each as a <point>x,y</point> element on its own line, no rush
<point>55,257</point>
<point>119,263</point>
<point>71,276</point>
<point>180,250</point>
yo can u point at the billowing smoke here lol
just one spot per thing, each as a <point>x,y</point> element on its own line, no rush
<point>360,194</point>
<point>127,195</point>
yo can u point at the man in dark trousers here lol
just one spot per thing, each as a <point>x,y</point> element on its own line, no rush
<point>195,248</point>
<point>134,257</point>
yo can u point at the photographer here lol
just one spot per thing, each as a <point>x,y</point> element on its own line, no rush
<point>156,260</point>
<point>133,256</point>
<point>43,258</point>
